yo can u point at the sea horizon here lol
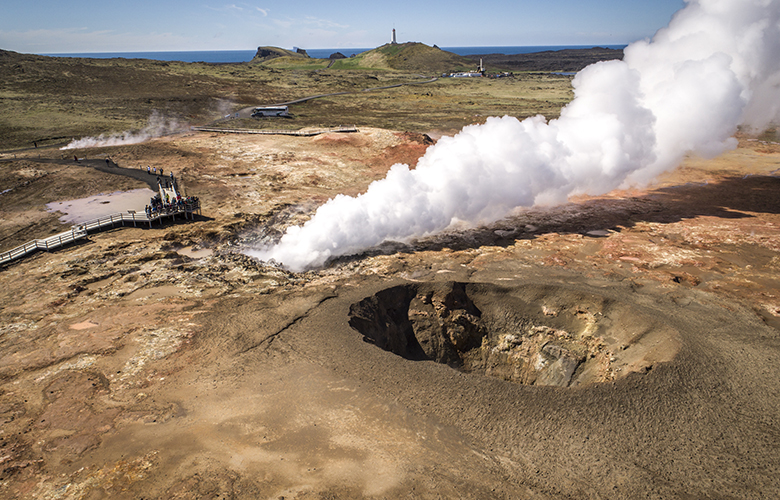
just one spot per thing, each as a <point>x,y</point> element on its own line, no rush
<point>239,56</point>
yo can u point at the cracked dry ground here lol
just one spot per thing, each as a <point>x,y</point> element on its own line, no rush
<point>624,346</point>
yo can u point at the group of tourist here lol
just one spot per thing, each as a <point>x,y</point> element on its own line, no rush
<point>153,171</point>
<point>159,206</point>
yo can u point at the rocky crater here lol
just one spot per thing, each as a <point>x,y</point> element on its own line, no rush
<point>535,334</point>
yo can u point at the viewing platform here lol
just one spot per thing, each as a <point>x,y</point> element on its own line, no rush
<point>188,209</point>
<point>167,203</point>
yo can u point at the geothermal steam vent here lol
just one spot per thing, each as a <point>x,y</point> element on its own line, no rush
<point>533,334</point>
<point>713,70</point>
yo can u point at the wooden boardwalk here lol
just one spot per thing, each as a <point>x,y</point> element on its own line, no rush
<point>300,133</point>
<point>80,231</point>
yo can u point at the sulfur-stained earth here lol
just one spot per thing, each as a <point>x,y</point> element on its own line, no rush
<point>623,346</point>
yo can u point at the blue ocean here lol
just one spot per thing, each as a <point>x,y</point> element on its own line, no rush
<point>238,56</point>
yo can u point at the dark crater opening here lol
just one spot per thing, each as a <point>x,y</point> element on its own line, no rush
<point>533,334</point>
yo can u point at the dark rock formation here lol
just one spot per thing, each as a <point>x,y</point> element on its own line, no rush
<point>267,53</point>
<point>383,319</point>
<point>559,60</point>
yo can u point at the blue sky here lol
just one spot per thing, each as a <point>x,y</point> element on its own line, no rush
<point>59,26</point>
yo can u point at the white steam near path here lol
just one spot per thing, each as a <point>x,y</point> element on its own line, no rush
<point>157,126</point>
<point>714,68</point>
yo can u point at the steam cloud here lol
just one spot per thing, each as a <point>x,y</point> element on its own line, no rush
<point>714,68</point>
<point>157,126</point>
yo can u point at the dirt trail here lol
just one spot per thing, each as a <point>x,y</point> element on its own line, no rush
<point>101,165</point>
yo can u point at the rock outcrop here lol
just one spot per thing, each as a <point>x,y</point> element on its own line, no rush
<point>268,53</point>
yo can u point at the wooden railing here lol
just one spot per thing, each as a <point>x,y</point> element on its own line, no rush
<point>80,231</point>
<point>301,133</point>
<point>49,243</point>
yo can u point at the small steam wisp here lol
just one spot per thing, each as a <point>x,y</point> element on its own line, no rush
<point>157,126</point>
<point>716,67</point>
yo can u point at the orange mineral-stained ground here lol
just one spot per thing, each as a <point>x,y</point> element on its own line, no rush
<point>621,346</point>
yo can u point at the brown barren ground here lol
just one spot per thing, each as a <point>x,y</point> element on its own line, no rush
<point>162,363</point>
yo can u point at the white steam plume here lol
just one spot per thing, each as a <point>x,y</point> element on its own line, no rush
<point>714,68</point>
<point>157,126</point>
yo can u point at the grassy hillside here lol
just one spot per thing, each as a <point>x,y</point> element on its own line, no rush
<point>298,62</point>
<point>409,56</point>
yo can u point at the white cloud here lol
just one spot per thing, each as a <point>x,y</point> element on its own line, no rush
<point>226,8</point>
<point>308,23</point>
<point>323,23</point>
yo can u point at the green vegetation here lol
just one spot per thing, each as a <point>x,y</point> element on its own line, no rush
<point>296,63</point>
<point>51,100</point>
